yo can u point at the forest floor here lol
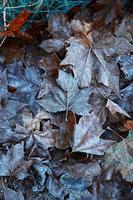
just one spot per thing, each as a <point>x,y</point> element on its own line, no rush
<point>66,105</point>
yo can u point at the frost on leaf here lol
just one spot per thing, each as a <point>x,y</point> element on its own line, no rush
<point>94,58</point>
<point>87,134</point>
<point>66,96</point>
<point>120,156</point>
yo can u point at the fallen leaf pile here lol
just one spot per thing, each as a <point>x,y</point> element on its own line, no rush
<point>66,108</point>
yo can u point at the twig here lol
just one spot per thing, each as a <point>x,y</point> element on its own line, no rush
<point>4,13</point>
<point>3,41</point>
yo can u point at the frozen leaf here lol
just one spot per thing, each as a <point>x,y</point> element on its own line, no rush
<point>66,97</point>
<point>3,84</point>
<point>80,176</point>
<point>55,187</point>
<point>58,26</point>
<point>115,108</point>
<point>63,129</point>
<point>42,171</point>
<point>26,80</point>
<point>10,194</point>
<point>126,61</point>
<point>52,45</point>
<point>91,57</point>
<point>98,102</point>
<point>9,109</point>
<point>82,195</point>
<point>31,123</point>
<point>106,190</point>
<point>12,160</point>
<point>127,98</point>
<point>6,134</point>
<point>86,137</point>
<point>120,156</point>
<point>124,28</point>
<point>44,139</point>
<point>12,163</point>
<point>49,63</point>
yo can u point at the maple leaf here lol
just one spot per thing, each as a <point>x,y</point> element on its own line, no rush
<point>120,156</point>
<point>27,81</point>
<point>13,164</point>
<point>16,24</point>
<point>66,97</point>
<point>43,139</point>
<point>86,136</point>
<point>92,57</point>
<point>12,160</point>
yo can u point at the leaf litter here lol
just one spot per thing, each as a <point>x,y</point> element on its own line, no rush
<point>66,107</point>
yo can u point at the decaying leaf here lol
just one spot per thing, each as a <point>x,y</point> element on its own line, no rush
<point>16,24</point>
<point>13,159</point>
<point>86,137</point>
<point>66,97</point>
<point>96,59</point>
<point>58,120</point>
<point>43,139</point>
<point>31,123</point>
<point>120,156</point>
<point>26,81</point>
<point>63,129</point>
<point>59,26</point>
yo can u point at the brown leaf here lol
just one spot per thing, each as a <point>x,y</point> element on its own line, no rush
<point>13,161</point>
<point>128,125</point>
<point>120,157</point>
<point>86,137</point>
<point>105,13</point>
<point>16,24</point>
<point>63,129</point>
<point>91,56</point>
